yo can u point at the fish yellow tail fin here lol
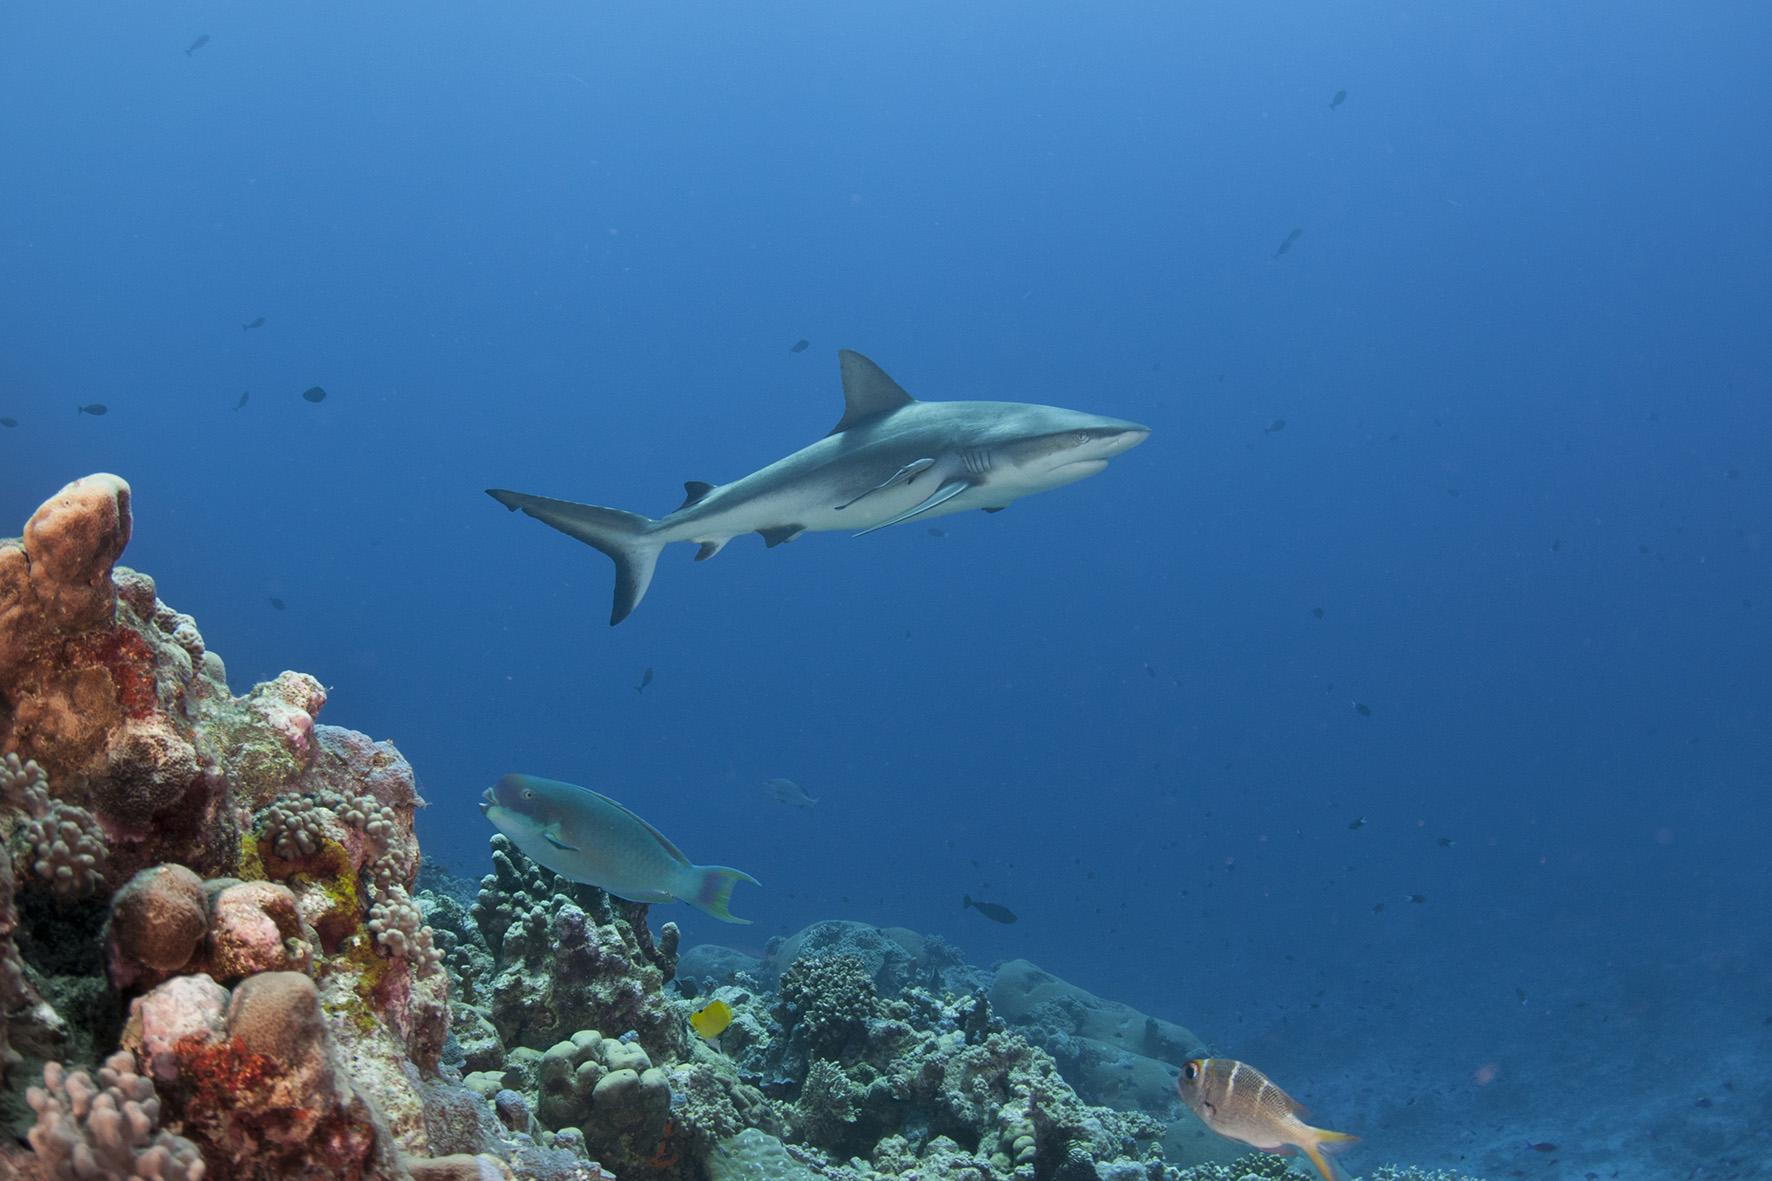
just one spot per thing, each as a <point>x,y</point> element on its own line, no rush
<point>1323,1142</point>
<point>714,894</point>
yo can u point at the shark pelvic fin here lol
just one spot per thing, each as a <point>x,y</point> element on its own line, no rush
<point>867,392</point>
<point>696,492</point>
<point>940,496</point>
<point>903,475</point>
<point>780,534</point>
<point>710,548</point>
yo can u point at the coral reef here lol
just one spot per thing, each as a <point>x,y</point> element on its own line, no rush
<point>214,896</point>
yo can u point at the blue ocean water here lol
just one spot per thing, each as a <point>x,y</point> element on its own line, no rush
<point>1484,451</point>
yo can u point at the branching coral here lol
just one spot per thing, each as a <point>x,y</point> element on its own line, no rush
<point>67,846</point>
<point>106,1129</point>
<point>399,930</point>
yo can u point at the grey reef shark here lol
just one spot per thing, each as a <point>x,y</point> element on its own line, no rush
<point>888,460</point>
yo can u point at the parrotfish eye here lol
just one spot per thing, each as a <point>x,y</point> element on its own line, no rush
<point>1191,1071</point>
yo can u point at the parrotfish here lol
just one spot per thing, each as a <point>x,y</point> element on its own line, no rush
<point>590,838</point>
<point>314,394</point>
<point>1238,1101</point>
<point>1340,97</point>
<point>199,43</point>
<point>96,409</point>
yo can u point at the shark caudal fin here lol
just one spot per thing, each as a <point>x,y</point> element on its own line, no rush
<point>714,893</point>
<point>623,536</point>
<point>1323,1143</point>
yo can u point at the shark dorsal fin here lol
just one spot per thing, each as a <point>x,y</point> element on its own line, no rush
<point>696,490</point>
<point>867,391</point>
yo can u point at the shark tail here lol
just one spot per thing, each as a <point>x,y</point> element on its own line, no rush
<point>714,892</point>
<point>624,537</point>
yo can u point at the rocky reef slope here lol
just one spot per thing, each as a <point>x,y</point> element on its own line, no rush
<point>216,961</point>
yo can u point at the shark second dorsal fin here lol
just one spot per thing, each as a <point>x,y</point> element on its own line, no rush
<point>867,392</point>
<point>694,492</point>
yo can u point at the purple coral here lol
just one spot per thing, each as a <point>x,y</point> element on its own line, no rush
<point>106,1127</point>
<point>67,845</point>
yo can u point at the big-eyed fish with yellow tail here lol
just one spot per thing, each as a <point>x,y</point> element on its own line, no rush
<point>590,838</point>
<point>1236,1100</point>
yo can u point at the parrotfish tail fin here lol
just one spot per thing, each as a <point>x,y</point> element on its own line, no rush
<point>1324,1143</point>
<point>714,894</point>
<point>624,537</point>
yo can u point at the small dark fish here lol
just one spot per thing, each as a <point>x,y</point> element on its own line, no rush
<point>1378,908</point>
<point>1418,898</point>
<point>1340,97</point>
<point>96,409</point>
<point>1361,708</point>
<point>1357,822</point>
<point>8,423</point>
<point>1521,993</point>
<point>258,323</point>
<point>990,910</point>
<point>314,394</point>
<point>645,680</point>
<point>1556,545</point>
<point>1286,246</point>
<point>1317,612</point>
<point>199,43</point>
<point>279,604</point>
<point>936,531</point>
<point>800,346</point>
<point>1274,427</point>
<point>244,394</point>
<point>1542,1146</point>
<point>1445,842</point>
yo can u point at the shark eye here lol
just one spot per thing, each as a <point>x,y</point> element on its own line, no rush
<point>529,793</point>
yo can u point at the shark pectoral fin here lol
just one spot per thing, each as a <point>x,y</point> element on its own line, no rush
<point>710,548</point>
<point>903,475</point>
<point>780,534</point>
<point>940,496</point>
<point>551,834</point>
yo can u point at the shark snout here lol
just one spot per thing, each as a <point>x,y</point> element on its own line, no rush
<point>1116,437</point>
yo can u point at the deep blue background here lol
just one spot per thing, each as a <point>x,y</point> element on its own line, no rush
<point>1521,350</point>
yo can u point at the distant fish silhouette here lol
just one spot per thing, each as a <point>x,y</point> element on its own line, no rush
<point>279,604</point>
<point>314,394</point>
<point>1274,427</point>
<point>645,680</point>
<point>800,346</point>
<point>244,394</point>
<point>96,409</point>
<point>1340,97</point>
<point>8,423</point>
<point>786,791</point>
<point>258,323</point>
<point>1286,246</point>
<point>1361,708</point>
<point>990,910</point>
<point>199,43</point>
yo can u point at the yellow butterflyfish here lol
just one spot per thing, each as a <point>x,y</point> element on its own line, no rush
<point>711,1020</point>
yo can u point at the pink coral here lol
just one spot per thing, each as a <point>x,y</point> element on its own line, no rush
<point>255,927</point>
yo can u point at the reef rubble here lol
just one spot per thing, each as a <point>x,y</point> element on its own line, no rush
<point>219,959</point>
